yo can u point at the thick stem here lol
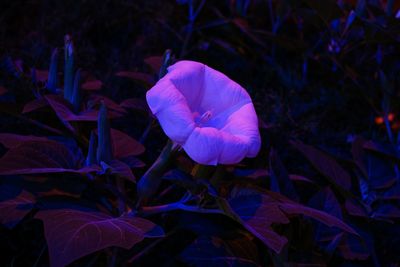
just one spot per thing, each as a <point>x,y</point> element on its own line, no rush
<point>150,181</point>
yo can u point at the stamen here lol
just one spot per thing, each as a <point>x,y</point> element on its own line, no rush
<point>204,118</point>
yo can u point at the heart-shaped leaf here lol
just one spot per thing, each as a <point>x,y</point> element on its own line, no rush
<point>325,164</point>
<point>144,78</point>
<point>13,140</point>
<point>259,211</point>
<point>34,105</point>
<point>92,85</point>
<point>124,145</point>
<point>64,111</point>
<point>72,234</point>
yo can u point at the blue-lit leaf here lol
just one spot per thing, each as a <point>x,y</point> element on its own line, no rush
<point>325,164</point>
<point>280,181</point>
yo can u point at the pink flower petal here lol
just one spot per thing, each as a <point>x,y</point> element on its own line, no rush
<point>171,109</point>
<point>204,145</point>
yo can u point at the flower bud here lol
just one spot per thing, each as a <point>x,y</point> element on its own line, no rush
<point>91,156</point>
<point>68,67</point>
<point>52,78</point>
<point>76,92</point>
<point>104,148</point>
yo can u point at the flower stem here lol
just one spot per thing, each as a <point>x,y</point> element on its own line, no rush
<point>150,181</point>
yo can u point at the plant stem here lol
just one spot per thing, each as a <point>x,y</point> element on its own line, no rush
<point>150,181</point>
<point>192,17</point>
<point>40,255</point>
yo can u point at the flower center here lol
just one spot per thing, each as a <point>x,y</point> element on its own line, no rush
<point>203,119</point>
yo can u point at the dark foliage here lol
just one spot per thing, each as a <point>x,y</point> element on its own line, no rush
<point>84,178</point>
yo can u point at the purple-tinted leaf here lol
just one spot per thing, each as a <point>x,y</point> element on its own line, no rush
<point>92,85</point>
<point>296,209</point>
<point>325,164</point>
<point>300,178</point>
<point>72,234</point>
<point>382,149</point>
<point>135,103</point>
<point>34,105</point>
<point>86,115</point>
<point>133,162</point>
<point>13,140</point>
<point>62,109</point>
<point>3,90</point>
<point>355,209</point>
<point>39,157</point>
<point>258,211</point>
<point>14,205</point>
<point>124,145</point>
<point>251,173</point>
<point>57,192</point>
<point>113,108</point>
<point>41,75</point>
<point>155,62</point>
<point>64,112</point>
<point>212,251</point>
<point>144,78</point>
